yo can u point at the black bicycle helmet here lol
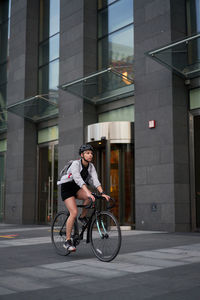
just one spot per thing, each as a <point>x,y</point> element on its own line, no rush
<point>85,148</point>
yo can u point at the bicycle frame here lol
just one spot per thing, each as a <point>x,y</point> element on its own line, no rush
<point>87,226</point>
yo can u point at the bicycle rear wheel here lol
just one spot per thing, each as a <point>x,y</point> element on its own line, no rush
<point>58,232</point>
<point>105,236</point>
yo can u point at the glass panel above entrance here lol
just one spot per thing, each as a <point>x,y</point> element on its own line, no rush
<point>36,108</point>
<point>103,86</point>
<point>183,56</point>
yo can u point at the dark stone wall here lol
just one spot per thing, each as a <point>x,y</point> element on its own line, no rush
<point>77,59</point>
<point>161,174</point>
<point>180,126</point>
<point>21,154</point>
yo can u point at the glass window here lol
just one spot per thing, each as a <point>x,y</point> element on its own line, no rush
<point>54,17</point>
<point>3,42</point>
<point>49,50</point>
<point>49,46</point>
<point>193,16</point>
<point>2,96</point>
<point>4,9</point>
<point>54,75</point>
<point>195,98</point>
<point>49,18</point>
<point>121,114</point>
<point>3,145</point>
<point>104,3</point>
<point>49,77</point>
<point>3,115</point>
<point>48,134</point>
<point>116,50</point>
<point>112,18</point>
<point>3,73</point>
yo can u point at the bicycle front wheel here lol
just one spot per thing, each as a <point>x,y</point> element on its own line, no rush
<point>105,236</point>
<point>58,232</point>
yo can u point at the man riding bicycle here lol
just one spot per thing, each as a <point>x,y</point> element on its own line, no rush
<point>80,174</point>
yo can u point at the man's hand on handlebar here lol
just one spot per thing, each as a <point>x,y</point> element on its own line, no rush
<point>90,196</point>
<point>107,197</point>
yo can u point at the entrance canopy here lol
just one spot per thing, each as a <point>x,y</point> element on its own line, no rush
<point>183,56</point>
<point>103,86</point>
<point>35,108</point>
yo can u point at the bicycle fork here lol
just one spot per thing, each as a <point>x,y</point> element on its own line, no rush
<point>103,233</point>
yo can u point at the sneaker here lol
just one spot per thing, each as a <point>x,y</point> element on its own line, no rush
<point>83,220</point>
<point>68,245</point>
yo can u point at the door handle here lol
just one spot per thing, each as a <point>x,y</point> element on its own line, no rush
<point>49,198</point>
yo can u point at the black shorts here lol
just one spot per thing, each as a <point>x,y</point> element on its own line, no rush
<point>69,189</point>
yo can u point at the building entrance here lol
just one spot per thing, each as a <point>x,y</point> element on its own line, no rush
<point>114,164</point>
<point>47,182</point>
<point>2,185</point>
<point>197,170</point>
<point>114,160</point>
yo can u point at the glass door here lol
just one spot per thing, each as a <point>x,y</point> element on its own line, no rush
<point>120,175</point>
<point>122,182</point>
<point>47,182</point>
<point>2,185</point>
<point>197,168</point>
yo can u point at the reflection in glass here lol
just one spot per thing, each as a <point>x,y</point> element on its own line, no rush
<point>3,73</point>
<point>3,115</point>
<point>121,175</point>
<point>117,50</point>
<point>47,187</point>
<point>49,77</point>
<point>49,18</point>
<point>4,10</point>
<point>3,42</point>
<point>49,50</point>
<point>54,17</point>
<point>112,18</point>
<point>54,75</point>
<point>193,15</point>
<point>104,3</point>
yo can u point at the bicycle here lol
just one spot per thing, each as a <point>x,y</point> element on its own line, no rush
<point>103,231</point>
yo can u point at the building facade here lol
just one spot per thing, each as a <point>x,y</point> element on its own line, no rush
<point>122,75</point>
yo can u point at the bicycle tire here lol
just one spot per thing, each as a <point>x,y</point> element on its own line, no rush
<point>105,236</point>
<point>58,232</point>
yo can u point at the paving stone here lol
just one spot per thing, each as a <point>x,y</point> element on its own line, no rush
<point>4,291</point>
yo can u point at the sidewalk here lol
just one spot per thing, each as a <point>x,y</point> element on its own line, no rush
<point>151,265</point>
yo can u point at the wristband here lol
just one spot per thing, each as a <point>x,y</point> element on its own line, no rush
<point>102,193</point>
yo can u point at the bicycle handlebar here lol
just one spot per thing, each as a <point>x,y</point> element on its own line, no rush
<point>99,197</point>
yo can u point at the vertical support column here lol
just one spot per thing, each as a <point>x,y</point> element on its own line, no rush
<point>21,134</point>
<point>162,169</point>
<point>78,50</point>
<point>180,128</point>
<point>154,165</point>
<point>71,67</point>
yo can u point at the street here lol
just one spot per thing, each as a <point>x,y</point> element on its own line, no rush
<point>150,265</point>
